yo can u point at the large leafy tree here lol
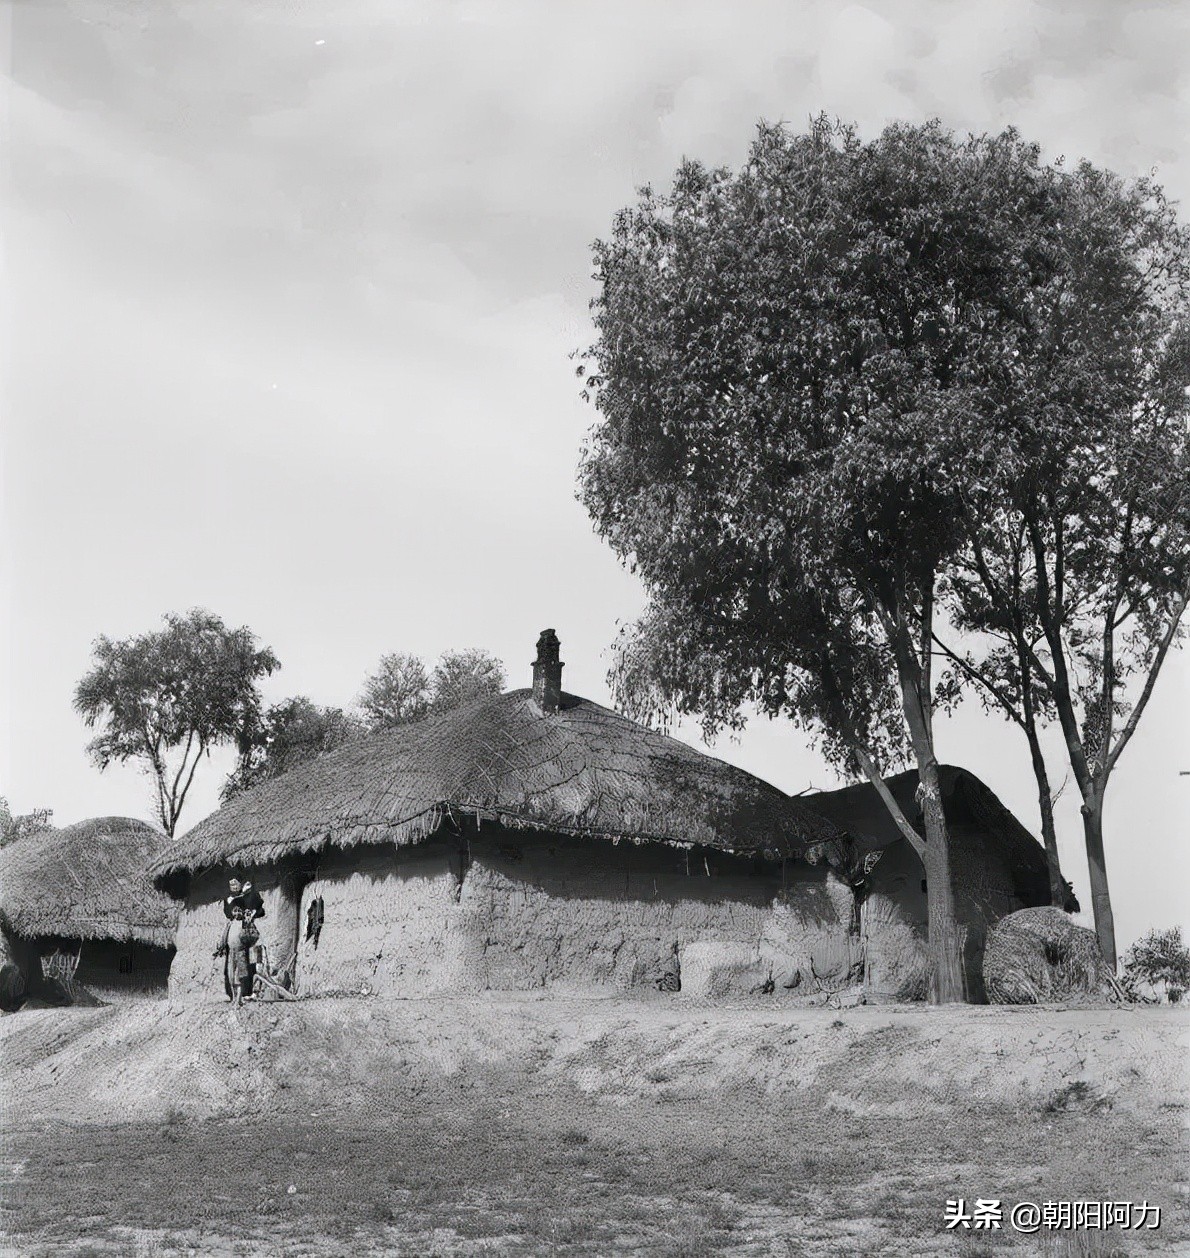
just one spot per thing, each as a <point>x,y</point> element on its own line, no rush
<point>165,698</point>
<point>1079,573</point>
<point>289,733</point>
<point>802,372</point>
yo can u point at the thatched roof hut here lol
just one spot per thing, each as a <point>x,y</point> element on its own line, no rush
<point>87,881</point>
<point>581,770</point>
<point>78,911</point>
<point>526,839</point>
<point>536,838</point>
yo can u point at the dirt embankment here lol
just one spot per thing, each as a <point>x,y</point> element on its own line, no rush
<point>146,1059</point>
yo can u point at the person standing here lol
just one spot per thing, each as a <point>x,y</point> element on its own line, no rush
<point>239,935</point>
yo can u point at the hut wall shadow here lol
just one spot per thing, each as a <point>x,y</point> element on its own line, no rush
<point>110,967</point>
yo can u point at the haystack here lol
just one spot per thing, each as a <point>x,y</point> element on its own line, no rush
<point>77,904</point>
<point>1039,956</point>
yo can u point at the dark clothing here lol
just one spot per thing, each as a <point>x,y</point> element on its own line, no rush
<point>247,900</point>
<point>252,902</point>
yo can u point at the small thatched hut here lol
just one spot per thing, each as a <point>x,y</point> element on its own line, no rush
<point>997,866</point>
<point>76,905</point>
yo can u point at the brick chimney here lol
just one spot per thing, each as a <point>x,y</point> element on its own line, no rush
<point>547,672</point>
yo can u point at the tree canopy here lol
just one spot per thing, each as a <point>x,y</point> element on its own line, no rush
<point>165,698</point>
<point>289,733</point>
<point>463,676</point>
<point>1074,575</point>
<point>809,378</point>
<point>402,689</point>
<point>397,692</point>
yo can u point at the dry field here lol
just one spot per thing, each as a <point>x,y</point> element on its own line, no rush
<point>543,1126</point>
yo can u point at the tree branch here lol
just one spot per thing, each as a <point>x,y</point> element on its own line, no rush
<point>976,676</point>
<point>902,822</point>
<point>1134,717</point>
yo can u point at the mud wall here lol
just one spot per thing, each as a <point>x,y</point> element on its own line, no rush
<point>987,887</point>
<point>390,923</point>
<point>551,911</point>
<point>20,970</point>
<point>510,911</point>
<point>513,911</point>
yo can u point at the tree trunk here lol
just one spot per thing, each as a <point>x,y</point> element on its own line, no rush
<point>1049,835</point>
<point>946,941</point>
<point>286,928</point>
<point>1105,926</point>
<point>946,984</point>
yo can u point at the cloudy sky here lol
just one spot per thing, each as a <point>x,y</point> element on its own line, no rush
<point>291,289</point>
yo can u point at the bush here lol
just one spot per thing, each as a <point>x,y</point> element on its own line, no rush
<point>1160,961</point>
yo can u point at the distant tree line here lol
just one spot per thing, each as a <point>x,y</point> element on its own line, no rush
<point>400,691</point>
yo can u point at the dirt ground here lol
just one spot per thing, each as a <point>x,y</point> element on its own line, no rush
<point>541,1126</point>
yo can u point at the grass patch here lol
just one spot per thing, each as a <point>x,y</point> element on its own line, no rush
<point>552,1173</point>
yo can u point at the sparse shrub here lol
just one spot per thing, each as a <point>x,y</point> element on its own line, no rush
<point>1075,1095</point>
<point>1160,961</point>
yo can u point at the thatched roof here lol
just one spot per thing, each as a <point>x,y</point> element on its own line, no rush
<point>974,813</point>
<point>582,770</point>
<point>87,881</point>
